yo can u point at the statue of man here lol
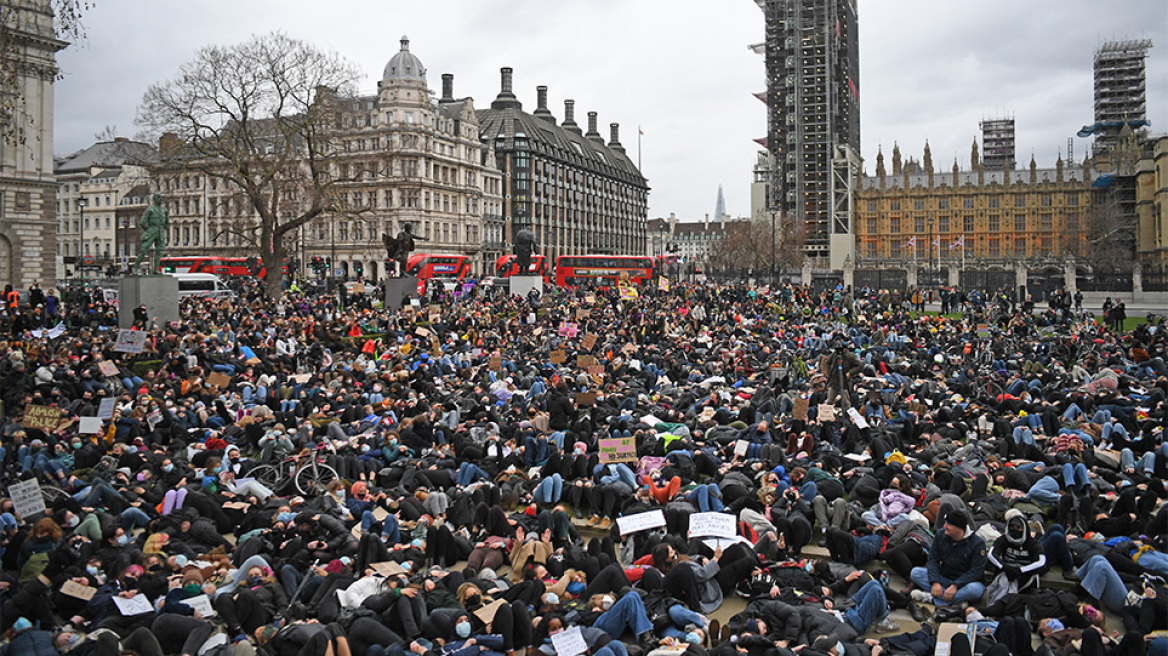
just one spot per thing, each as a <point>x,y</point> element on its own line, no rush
<point>524,246</point>
<point>405,246</point>
<point>155,224</point>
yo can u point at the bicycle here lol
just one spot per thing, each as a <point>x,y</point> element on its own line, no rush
<point>310,478</point>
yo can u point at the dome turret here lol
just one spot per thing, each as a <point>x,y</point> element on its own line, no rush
<point>405,65</point>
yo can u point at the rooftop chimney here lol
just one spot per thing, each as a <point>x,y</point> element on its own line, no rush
<point>447,87</point>
<point>592,133</point>
<point>506,99</point>
<point>167,144</point>
<point>542,109</point>
<point>124,140</point>
<point>614,137</point>
<point>570,117</point>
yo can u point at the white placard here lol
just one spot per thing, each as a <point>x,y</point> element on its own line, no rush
<point>640,521</point>
<point>27,499</point>
<point>135,605</point>
<point>130,341</point>
<point>569,642</point>
<point>725,543</point>
<point>153,418</point>
<point>650,420</point>
<point>90,425</point>
<point>857,418</point>
<point>106,409</point>
<point>201,603</point>
<point>712,524</point>
<point>740,448</point>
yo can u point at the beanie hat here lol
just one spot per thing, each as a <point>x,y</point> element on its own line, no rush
<point>192,575</point>
<point>958,519</point>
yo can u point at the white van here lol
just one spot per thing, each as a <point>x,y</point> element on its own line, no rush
<point>207,285</point>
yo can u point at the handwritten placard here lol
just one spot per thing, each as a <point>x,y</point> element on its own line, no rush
<point>388,568</point>
<point>77,590</point>
<point>106,409</point>
<point>26,498</point>
<point>740,448</point>
<point>558,356</point>
<point>585,361</point>
<point>801,407</point>
<point>219,379</point>
<point>582,313</point>
<point>41,417</point>
<point>590,299</point>
<point>487,613</point>
<point>589,342</point>
<point>640,521</point>
<point>596,370</point>
<point>201,603</point>
<point>130,341</point>
<point>107,368</point>
<point>826,412</point>
<point>586,398</point>
<point>857,418</point>
<point>618,449</point>
<point>495,363</point>
<point>712,525</point>
<point>569,642</point>
<point>135,605</point>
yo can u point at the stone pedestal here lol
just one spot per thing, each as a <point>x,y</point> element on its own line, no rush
<point>158,294</point>
<point>399,290</point>
<point>522,285</point>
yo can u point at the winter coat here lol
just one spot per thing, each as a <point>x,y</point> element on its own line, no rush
<point>893,503</point>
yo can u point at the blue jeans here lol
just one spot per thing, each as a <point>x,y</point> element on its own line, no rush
<point>1114,428</point>
<point>1075,475</point>
<point>708,498</point>
<point>681,618</point>
<point>468,473</point>
<point>1073,412</point>
<point>1054,545</point>
<point>132,517</point>
<point>537,451</point>
<point>1101,581</point>
<point>628,612</point>
<point>871,607</point>
<point>1045,491</point>
<point>1155,561</point>
<point>1023,435</point>
<point>967,593</point>
<point>549,489</point>
<point>391,530</point>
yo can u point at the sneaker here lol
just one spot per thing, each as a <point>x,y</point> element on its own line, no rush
<point>886,625</point>
<point>594,521</point>
<point>921,596</point>
<point>606,523</point>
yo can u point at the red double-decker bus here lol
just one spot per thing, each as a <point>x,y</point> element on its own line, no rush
<point>222,266</point>
<point>603,270</point>
<point>425,266</point>
<point>508,266</point>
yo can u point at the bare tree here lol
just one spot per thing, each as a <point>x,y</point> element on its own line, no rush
<point>108,133</point>
<point>1109,236</point>
<point>18,27</point>
<point>261,118</point>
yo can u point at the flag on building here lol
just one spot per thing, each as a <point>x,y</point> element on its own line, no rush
<point>936,241</point>
<point>960,241</point>
<point>911,242</point>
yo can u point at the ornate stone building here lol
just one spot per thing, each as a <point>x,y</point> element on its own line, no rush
<point>402,156</point>
<point>28,203</point>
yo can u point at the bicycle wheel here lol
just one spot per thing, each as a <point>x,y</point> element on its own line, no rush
<point>51,494</point>
<point>311,482</point>
<point>266,475</point>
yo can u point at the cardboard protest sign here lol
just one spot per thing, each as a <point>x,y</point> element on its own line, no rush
<point>107,368</point>
<point>712,524</point>
<point>496,363</point>
<point>388,568</point>
<point>826,412</point>
<point>41,416</point>
<point>569,642</point>
<point>586,398</point>
<point>590,299</point>
<point>585,361</point>
<point>219,379</point>
<point>800,411</point>
<point>918,408</point>
<point>558,356</point>
<point>135,605</point>
<point>78,591</point>
<point>629,349</point>
<point>640,521</point>
<point>26,498</point>
<point>106,409</point>
<point>130,341</point>
<point>358,288</point>
<point>582,313</point>
<point>421,332</point>
<point>90,425</point>
<point>589,342</point>
<point>487,613</point>
<point>618,449</point>
<point>596,370</point>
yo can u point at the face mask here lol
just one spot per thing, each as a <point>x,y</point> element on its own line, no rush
<point>193,588</point>
<point>473,600</point>
<point>93,570</point>
<point>168,468</point>
<point>156,567</point>
<point>692,638</point>
<point>253,581</point>
<point>364,448</point>
<point>462,629</point>
<point>606,602</point>
<point>340,495</point>
<point>72,641</point>
<point>130,583</point>
<point>123,540</point>
<point>74,521</point>
<point>839,649</point>
<point>76,445</point>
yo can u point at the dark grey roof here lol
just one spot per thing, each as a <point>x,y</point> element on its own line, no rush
<point>944,178</point>
<point>502,127</point>
<point>109,154</point>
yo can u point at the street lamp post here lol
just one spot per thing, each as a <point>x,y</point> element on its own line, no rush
<point>82,203</point>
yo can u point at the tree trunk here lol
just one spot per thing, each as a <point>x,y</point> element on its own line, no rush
<point>274,264</point>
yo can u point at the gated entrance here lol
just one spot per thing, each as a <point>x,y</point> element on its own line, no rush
<point>1042,283</point>
<point>890,279</point>
<point>988,280</point>
<point>932,278</point>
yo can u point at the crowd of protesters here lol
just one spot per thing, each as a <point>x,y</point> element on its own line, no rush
<point>948,466</point>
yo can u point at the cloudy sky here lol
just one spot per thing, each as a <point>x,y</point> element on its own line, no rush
<point>679,69</point>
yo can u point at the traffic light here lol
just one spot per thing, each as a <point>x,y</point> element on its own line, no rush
<point>359,269</point>
<point>253,266</point>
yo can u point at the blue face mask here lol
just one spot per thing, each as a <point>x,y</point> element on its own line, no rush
<point>123,540</point>
<point>692,638</point>
<point>462,629</point>
<point>168,468</point>
<point>575,588</point>
<point>92,569</point>
<point>839,649</point>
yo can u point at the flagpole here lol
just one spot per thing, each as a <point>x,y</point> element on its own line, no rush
<point>639,133</point>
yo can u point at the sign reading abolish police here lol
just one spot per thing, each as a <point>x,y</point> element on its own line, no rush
<point>618,449</point>
<point>640,521</point>
<point>41,417</point>
<point>712,524</point>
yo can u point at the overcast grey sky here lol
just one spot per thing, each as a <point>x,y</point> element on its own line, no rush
<point>680,69</point>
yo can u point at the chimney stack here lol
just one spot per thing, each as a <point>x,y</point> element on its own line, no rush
<point>541,101</point>
<point>570,116</point>
<point>447,87</point>
<point>614,137</point>
<point>592,133</point>
<point>167,143</point>
<point>506,99</point>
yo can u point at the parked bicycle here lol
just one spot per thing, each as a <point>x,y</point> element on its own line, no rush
<point>307,470</point>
